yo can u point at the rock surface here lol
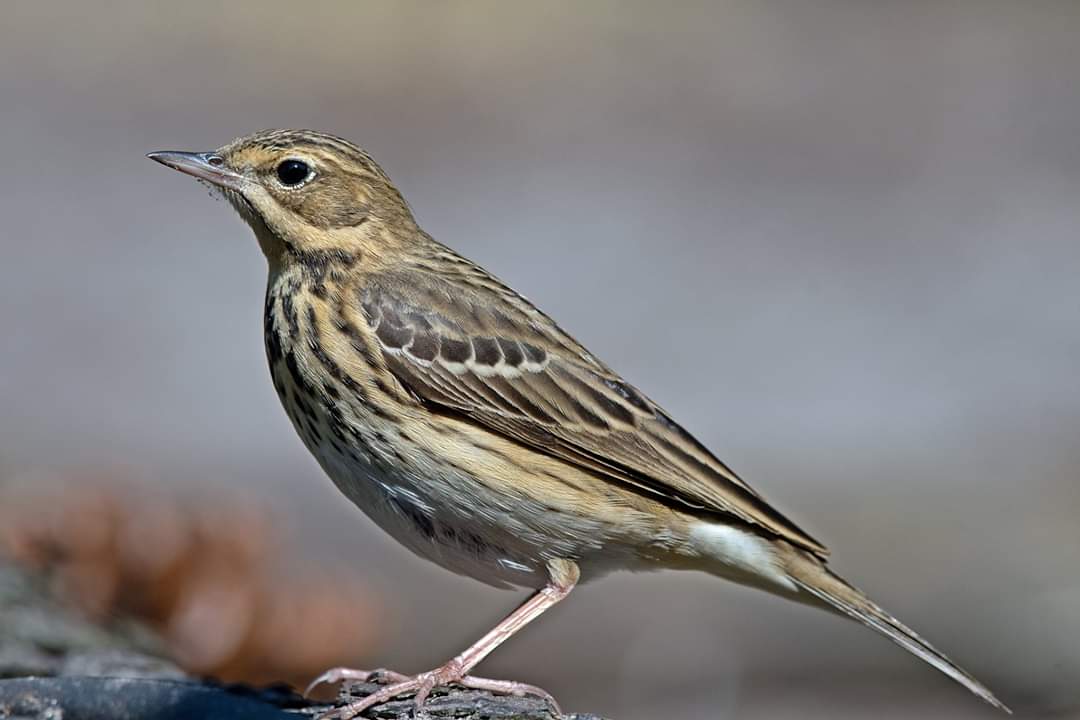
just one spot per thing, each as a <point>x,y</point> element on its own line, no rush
<point>55,665</point>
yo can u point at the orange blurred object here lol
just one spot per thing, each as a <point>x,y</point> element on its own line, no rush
<point>206,573</point>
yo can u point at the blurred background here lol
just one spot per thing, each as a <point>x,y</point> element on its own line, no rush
<point>864,215</point>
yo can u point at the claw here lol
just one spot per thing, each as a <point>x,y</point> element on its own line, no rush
<point>336,675</point>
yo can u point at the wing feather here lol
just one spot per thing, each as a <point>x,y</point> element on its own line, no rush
<point>507,367</point>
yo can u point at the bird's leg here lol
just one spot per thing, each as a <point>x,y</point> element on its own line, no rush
<point>563,576</point>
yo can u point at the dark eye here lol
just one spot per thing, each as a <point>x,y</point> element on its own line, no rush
<point>293,172</point>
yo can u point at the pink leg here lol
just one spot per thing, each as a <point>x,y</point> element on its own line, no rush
<point>563,577</point>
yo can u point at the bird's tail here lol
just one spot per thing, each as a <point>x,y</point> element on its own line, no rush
<point>829,590</point>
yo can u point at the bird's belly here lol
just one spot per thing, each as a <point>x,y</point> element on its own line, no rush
<point>470,535</point>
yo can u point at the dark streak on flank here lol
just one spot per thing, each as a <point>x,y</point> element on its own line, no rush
<point>473,542</point>
<point>558,478</point>
<point>505,457</point>
<point>415,515</point>
<point>303,406</point>
<point>289,310</point>
<point>465,539</point>
<point>271,338</point>
<point>381,386</point>
<point>294,369</point>
<point>356,339</point>
<point>327,362</point>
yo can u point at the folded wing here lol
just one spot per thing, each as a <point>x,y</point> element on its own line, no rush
<point>508,367</point>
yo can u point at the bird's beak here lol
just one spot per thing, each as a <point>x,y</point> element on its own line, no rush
<point>205,166</point>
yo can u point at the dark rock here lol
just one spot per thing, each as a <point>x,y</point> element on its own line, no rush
<point>86,672</point>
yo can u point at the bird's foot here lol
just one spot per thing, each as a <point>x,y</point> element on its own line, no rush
<point>420,685</point>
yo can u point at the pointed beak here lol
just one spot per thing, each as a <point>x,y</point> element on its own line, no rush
<point>205,166</point>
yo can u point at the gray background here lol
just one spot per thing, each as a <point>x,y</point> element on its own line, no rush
<point>837,239</point>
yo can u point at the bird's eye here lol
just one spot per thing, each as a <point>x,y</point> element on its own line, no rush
<point>293,172</point>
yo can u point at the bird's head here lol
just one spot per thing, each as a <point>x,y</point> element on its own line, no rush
<point>304,193</point>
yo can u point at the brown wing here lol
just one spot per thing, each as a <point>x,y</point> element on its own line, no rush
<point>481,351</point>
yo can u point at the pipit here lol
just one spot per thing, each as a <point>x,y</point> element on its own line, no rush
<point>467,424</point>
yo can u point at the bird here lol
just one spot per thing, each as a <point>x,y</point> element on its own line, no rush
<point>472,428</point>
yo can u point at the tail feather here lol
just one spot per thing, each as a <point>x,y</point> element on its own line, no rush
<point>835,593</point>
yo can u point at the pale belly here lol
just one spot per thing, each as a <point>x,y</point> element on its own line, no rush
<point>417,512</point>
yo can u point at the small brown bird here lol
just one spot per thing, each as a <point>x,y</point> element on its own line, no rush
<point>471,427</point>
